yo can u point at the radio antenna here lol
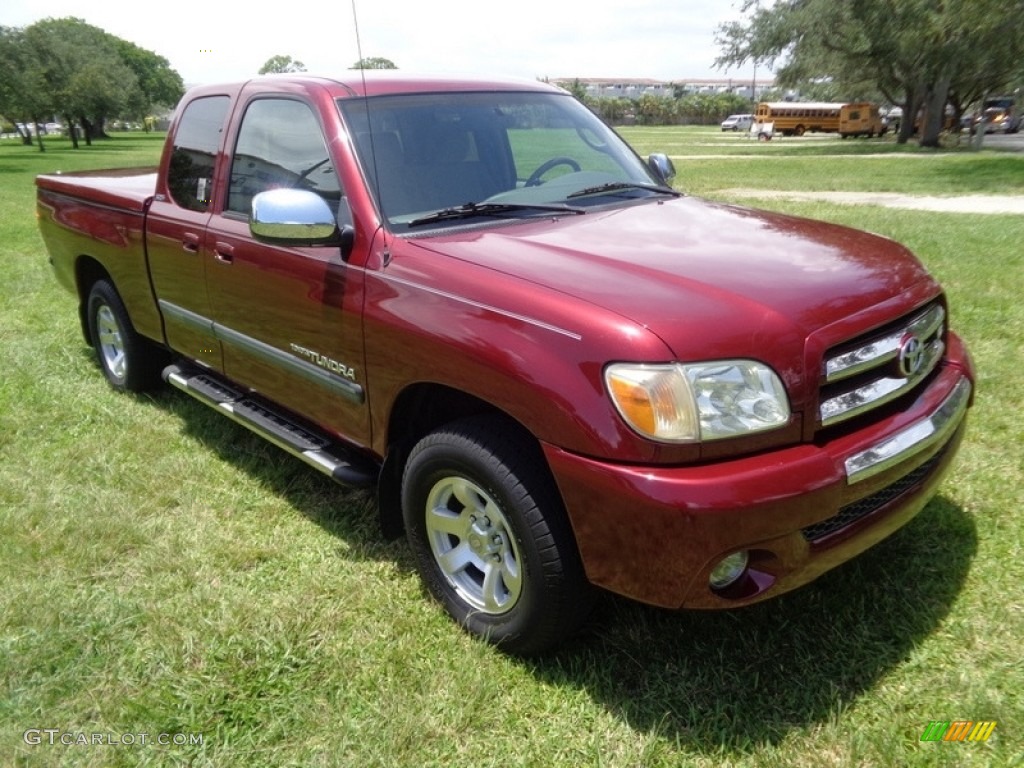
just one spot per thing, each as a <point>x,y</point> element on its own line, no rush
<point>359,42</point>
<point>366,103</point>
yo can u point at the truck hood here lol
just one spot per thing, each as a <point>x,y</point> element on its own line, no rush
<point>695,272</point>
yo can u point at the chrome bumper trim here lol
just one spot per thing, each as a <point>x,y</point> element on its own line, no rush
<point>914,439</point>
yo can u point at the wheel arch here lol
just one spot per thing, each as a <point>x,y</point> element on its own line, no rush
<point>88,271</point>
<point>419,410</point>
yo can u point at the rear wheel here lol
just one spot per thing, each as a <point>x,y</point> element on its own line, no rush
<point>491,539</point>
<point>129,362</point>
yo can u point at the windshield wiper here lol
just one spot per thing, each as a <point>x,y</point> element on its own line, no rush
<point>469,210</point>
<point>622,186</point>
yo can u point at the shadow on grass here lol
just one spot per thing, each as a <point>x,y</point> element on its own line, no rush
<point>742,679</point>
<point>733,680</point>
<point>348,514</point>
<point>982,175</point>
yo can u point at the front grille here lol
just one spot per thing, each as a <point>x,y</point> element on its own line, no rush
<point>851,513</point>
<point>878,368</point>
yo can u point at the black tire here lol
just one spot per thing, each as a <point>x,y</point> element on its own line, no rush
<point>129,362</point>
<point>491,539</point>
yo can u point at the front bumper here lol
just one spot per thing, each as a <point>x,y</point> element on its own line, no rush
<point>655,533</point>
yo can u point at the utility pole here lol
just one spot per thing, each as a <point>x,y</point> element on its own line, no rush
<point>753,84</point>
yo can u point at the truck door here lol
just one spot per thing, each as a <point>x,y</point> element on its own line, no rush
<point>289,318</point>
<point>176,226</point>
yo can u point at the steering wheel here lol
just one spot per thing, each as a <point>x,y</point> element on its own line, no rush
<point>547,165</point>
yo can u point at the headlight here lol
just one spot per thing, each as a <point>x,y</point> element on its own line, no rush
<point>698,401</point>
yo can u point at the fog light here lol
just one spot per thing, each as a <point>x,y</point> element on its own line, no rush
<point>729,570</point>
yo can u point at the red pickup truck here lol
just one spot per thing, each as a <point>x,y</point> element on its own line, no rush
<point>556,370</point>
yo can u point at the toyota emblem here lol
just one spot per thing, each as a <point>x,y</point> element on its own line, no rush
<point>911,355</point>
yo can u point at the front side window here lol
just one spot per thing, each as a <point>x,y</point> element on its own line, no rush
<point>196,142</point>
<point>280,145</point>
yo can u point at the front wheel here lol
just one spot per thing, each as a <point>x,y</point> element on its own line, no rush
<point>491,540</point>
<point>129,362</point>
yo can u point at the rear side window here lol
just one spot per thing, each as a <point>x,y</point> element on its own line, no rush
<point>196,141</point>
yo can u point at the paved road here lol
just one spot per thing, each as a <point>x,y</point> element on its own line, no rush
<point>1006,141</point>
<point>983,204</point>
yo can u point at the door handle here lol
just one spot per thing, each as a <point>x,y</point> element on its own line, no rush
<point>190,242</point>
<point>224,253</point>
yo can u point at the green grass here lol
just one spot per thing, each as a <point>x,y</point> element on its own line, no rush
<point>161,571</point>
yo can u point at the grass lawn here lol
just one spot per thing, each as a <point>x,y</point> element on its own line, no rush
<point>164,572</point>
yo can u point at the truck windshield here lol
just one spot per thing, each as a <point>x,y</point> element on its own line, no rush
<point>434,158</point>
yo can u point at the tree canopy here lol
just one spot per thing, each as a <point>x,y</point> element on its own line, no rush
<point>23,93</point>
<point>921,54</point>
<point>278,64</point>
<point>374,62</point>
<point>68,68</point>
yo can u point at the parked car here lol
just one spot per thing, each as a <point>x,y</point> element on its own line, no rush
<point>998,119</point>
<point>737,123</point>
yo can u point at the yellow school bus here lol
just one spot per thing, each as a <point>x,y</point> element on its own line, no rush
<point>794,118</point>
<point>860,119</point>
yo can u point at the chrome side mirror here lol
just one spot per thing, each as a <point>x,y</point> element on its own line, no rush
<point>662,166</point>
<point>292,217</point>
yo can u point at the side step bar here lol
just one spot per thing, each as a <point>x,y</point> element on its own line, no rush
<point>302,441</point>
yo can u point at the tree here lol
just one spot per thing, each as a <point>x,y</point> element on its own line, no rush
<point>922,54</point>
<point>85,78</point>
<point>86,75</point>
<point>375,62</point>
<point>281,64</point>
<point>159,82</point>
<point>655,110</point>
<point>612,110</point>
<point>24,98</point>
<point>70,68</point>
<point>577,89</point>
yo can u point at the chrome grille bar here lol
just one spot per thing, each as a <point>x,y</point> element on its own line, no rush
<point>881,369</point>
<point>878,391</point>
<point>880,351</point>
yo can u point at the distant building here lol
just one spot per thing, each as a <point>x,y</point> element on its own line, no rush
<point>634,88</point>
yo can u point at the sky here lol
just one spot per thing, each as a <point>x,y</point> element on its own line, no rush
<point>209,41</point>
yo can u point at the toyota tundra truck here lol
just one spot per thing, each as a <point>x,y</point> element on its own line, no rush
<point>556,372</point>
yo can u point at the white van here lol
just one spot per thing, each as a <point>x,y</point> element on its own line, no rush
<point>737,123</point>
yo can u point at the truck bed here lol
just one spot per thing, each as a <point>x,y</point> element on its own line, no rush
<point>95,221</point>
<point>126,188</point>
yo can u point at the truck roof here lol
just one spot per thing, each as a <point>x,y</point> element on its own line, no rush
<point>360,83</point>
